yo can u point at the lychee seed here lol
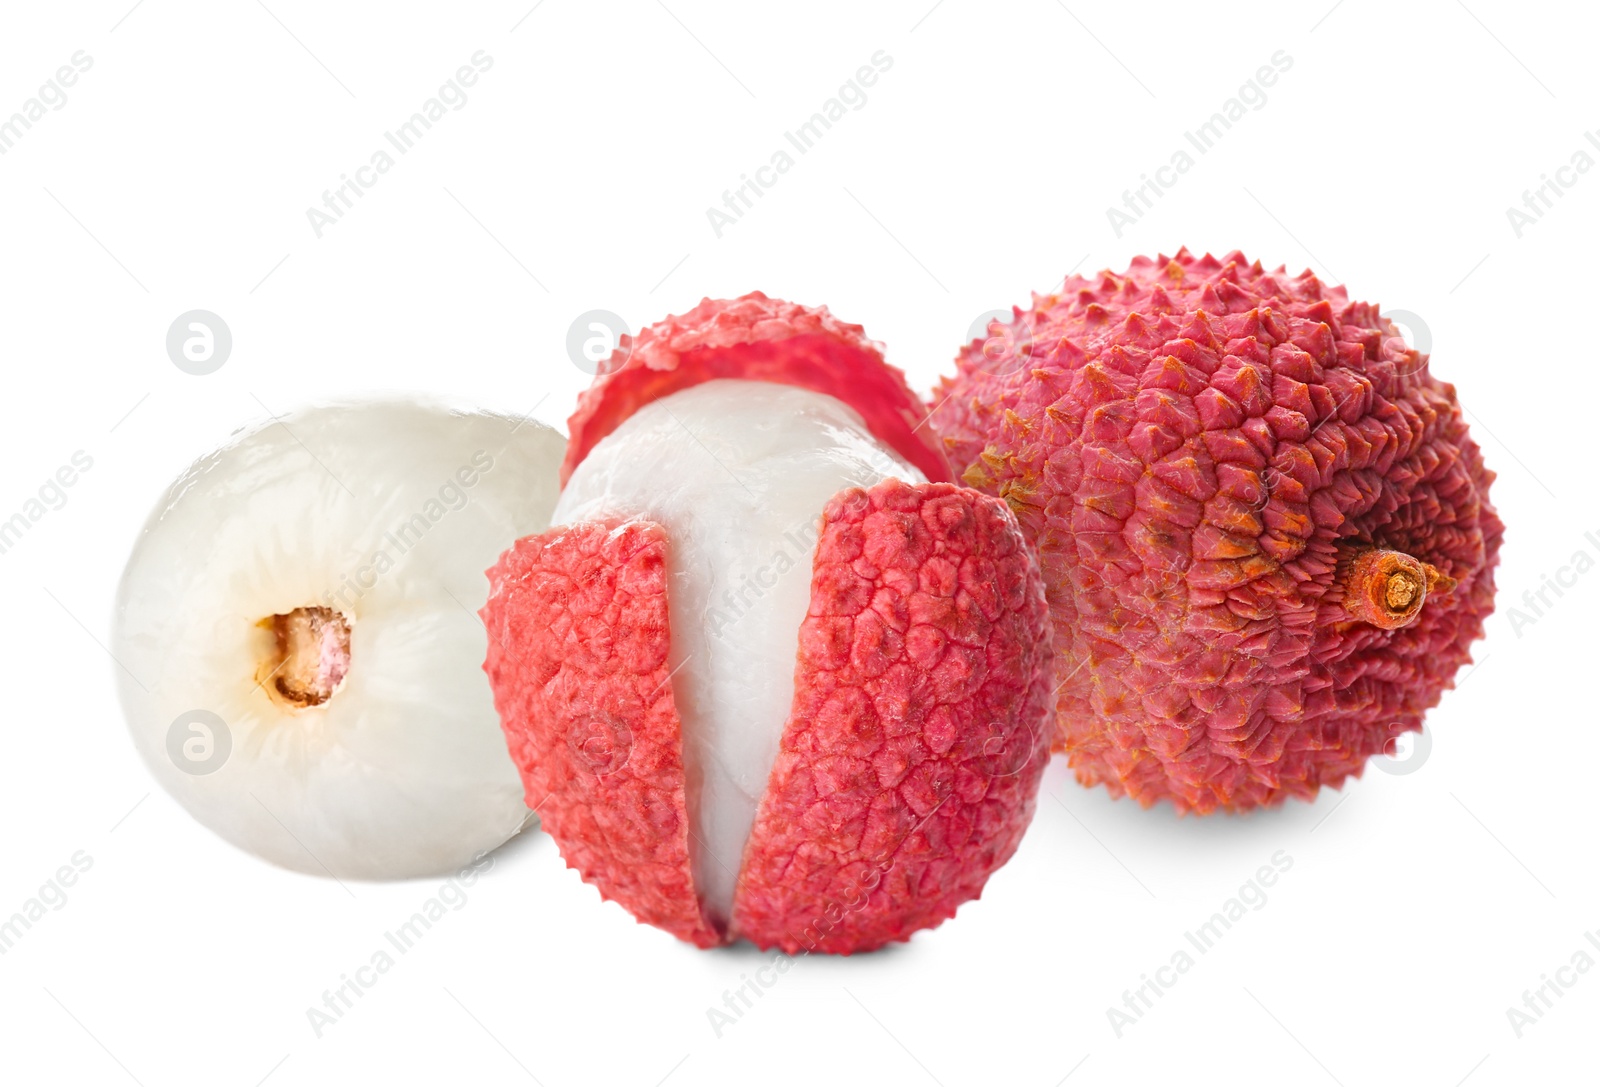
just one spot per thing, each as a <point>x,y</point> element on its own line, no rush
<point>310,656</point>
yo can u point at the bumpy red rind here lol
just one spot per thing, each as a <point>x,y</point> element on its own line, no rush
<point>577,621</point>
<point>756,338</point>
<point>1195,447</point>
<point>920,727</point>
<point>911,758</point>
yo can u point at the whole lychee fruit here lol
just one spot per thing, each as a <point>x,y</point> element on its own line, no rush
<point>1264,530</point>
<point>300,654</point>
<point>764,680</point>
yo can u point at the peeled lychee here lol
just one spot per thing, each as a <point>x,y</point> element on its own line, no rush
<point>763,680</point>
<point>1264,531</point>
<point>300,654</point>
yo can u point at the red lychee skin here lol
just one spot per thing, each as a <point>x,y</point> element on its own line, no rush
<point>1195,447</point>
<point>919,731</point>
<point>757,338</point>
<point>911,759</point>
<point>577,621</point>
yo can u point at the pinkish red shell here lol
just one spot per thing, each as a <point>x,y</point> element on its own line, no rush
<point>759,339</point>
<point>911,759</point>
<point>1193,447</point>
<point>577,621</point>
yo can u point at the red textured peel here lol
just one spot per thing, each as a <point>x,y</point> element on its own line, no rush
<point>757,338</point>
<point>911,758</point>
<point>1224,470</point>
<point>577,621</point>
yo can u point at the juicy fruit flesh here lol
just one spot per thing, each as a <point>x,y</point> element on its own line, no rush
<point>383,758</point>
<point>310,655</point>
<point>1200,449</point>
<point>738,473</point>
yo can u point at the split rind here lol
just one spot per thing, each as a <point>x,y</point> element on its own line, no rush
<point>911,759</point>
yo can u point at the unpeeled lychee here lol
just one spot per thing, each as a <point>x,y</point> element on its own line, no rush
<point>1264,530</point>
<point>300,662</point>
<point>763,680</point>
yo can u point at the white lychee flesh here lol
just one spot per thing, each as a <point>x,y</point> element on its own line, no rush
<point>313,586</point>
<point>738,473</point>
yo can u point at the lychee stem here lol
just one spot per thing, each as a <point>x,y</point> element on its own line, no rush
<point>310,658</point>
<point>1388,588</point>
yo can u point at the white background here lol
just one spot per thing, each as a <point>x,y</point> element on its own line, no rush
<point>1420,906</point>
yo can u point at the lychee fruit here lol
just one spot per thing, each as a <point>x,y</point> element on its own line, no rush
<point>765,680</point>
<point>300,654</point>
<point>1264,530</point>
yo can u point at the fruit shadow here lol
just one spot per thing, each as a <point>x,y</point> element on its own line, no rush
<point>745,955</point>
<point>1063,801</point>
<point>525,843</point>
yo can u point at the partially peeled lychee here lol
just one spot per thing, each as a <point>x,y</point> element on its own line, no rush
<point>1264,528</point>
<point>763,679</point>
<point>300,659</point>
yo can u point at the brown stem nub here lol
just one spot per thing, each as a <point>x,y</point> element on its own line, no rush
<point>311,655</point>
<point>1388,588</point>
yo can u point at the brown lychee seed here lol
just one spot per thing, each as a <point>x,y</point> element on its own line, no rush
<point>309,658</point>
<point>1389,588</point>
